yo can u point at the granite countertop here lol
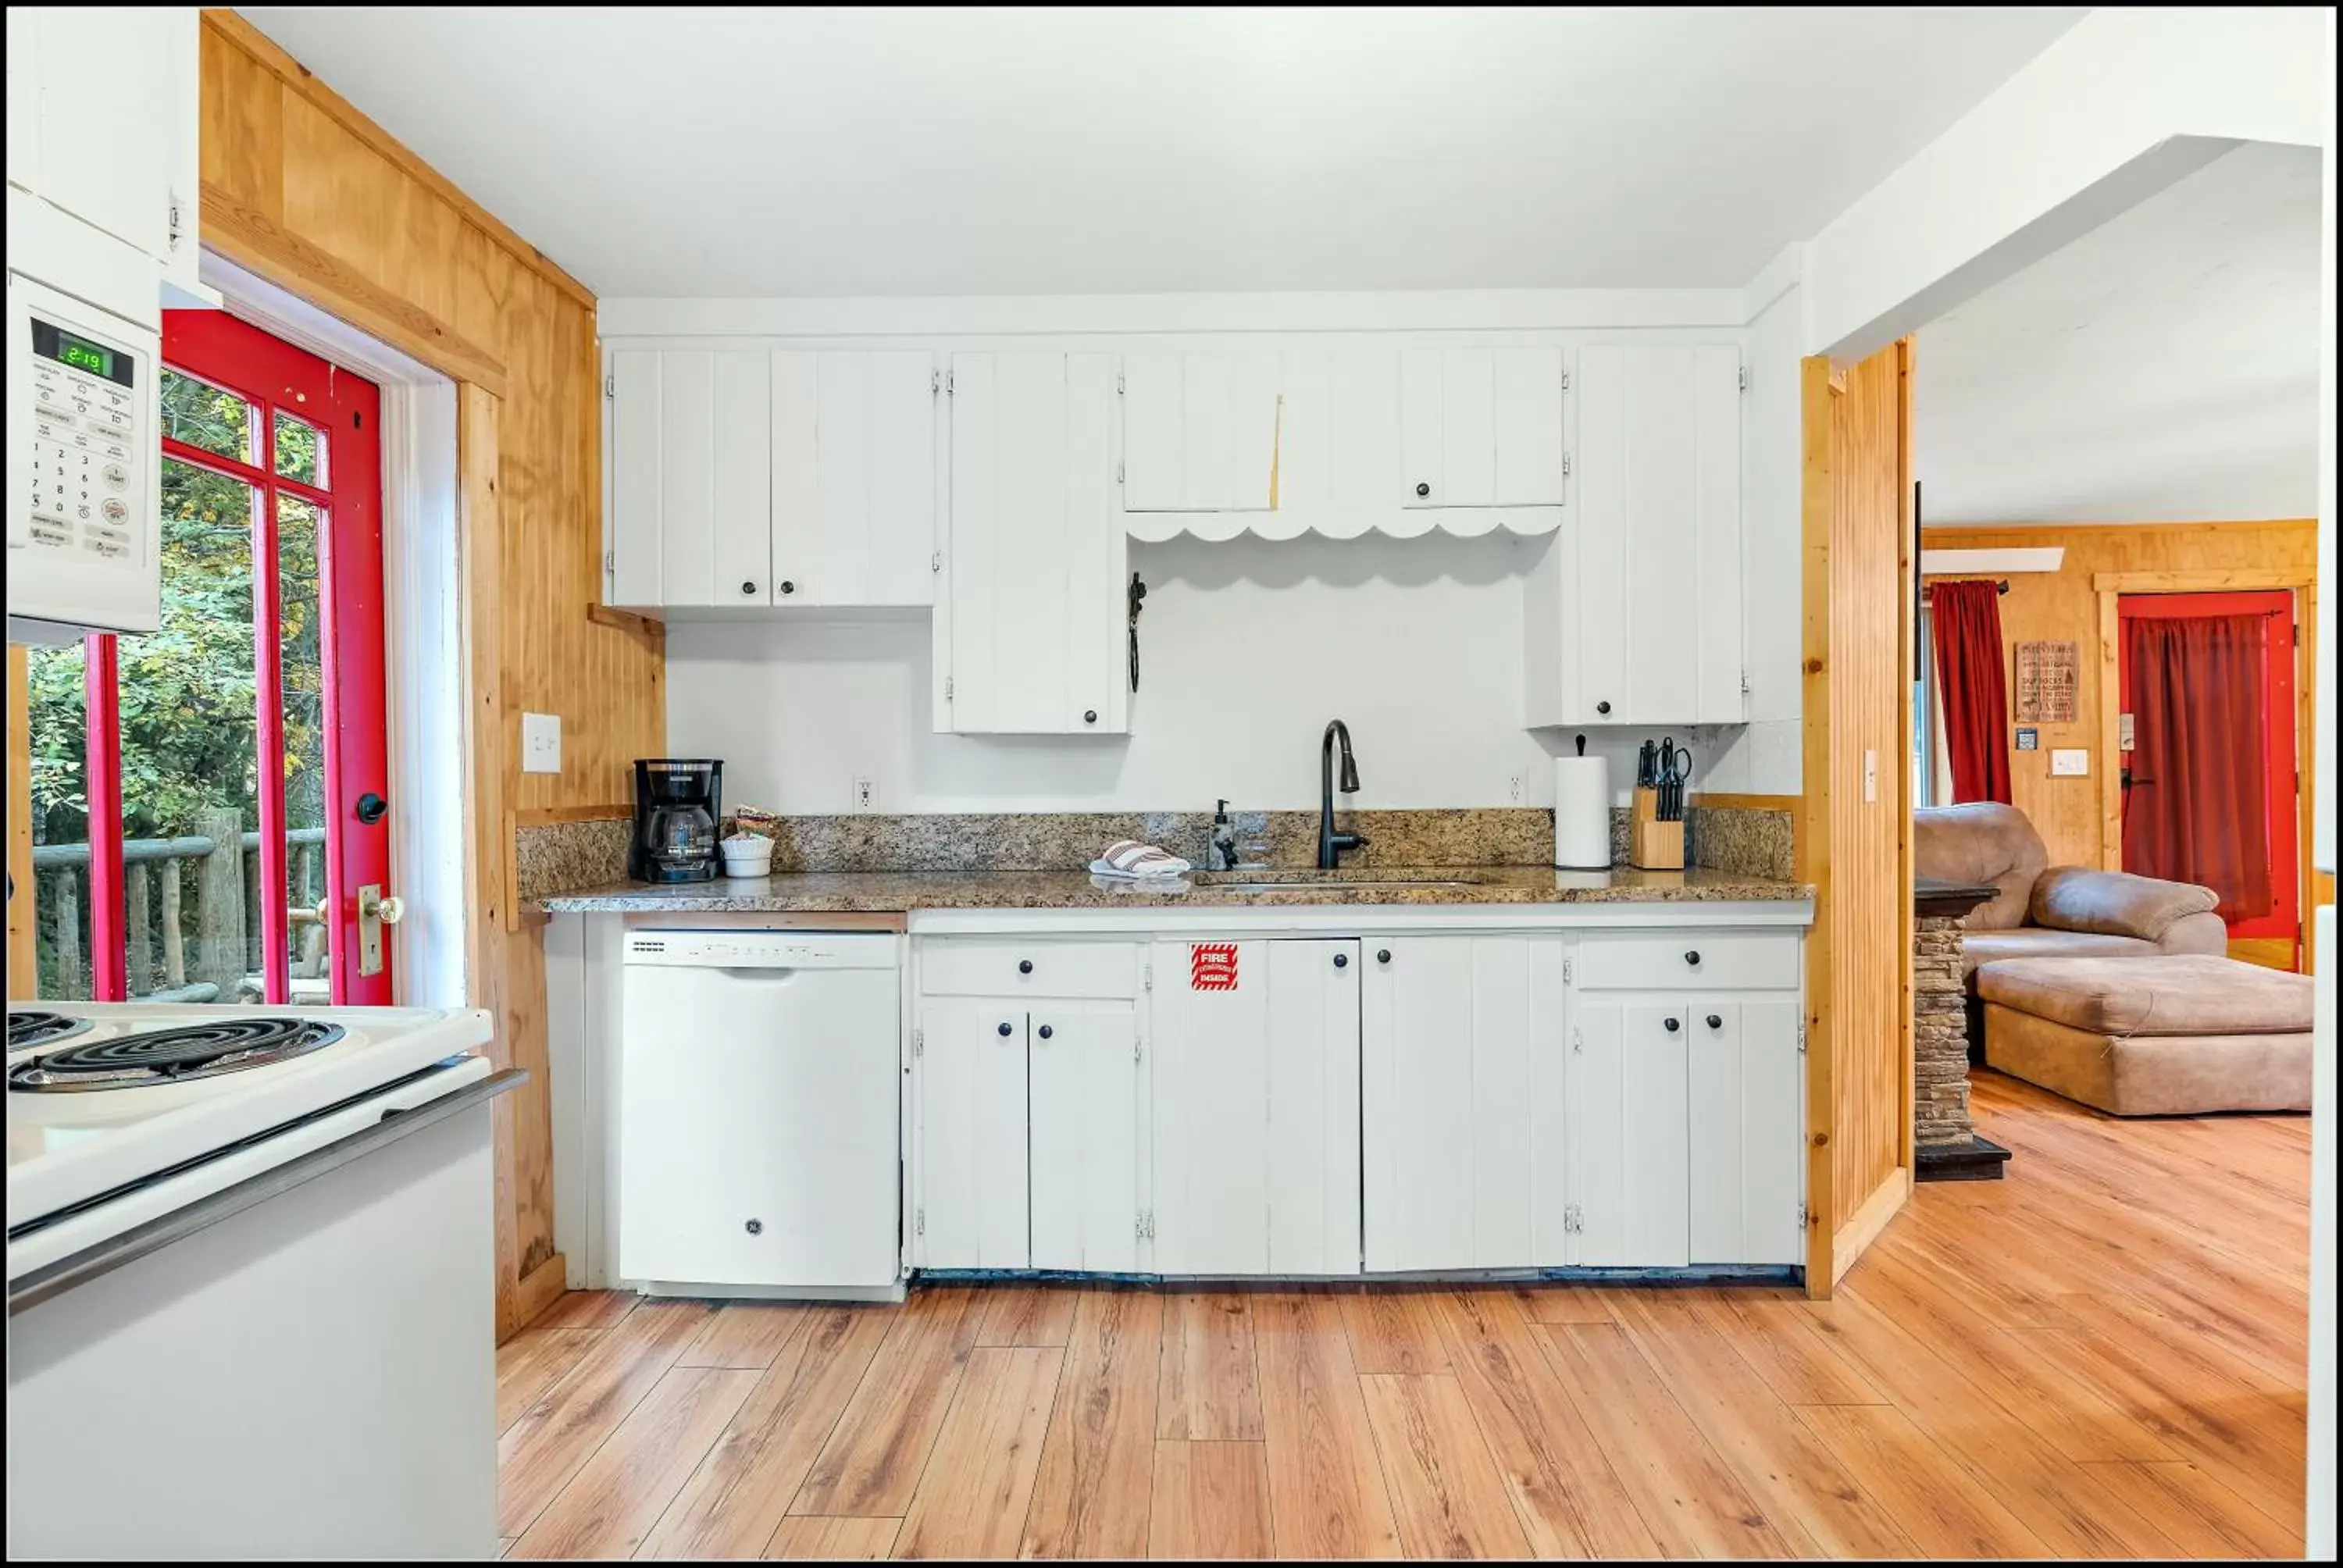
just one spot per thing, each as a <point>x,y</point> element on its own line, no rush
<point>889,891</point>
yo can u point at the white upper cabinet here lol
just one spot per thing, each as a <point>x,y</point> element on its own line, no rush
<point>1481,427</point>
<point>854,478</point>
<point>103,121</point>
<point>1636,616</point>
<point>1032,614</point>
<point>740,476</point>
<point>1199,432</point>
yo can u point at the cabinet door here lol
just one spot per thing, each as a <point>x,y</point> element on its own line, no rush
<point>1036,557</point>
<point>1083,1072</point>
<point>1480,427</point>
<point>853,439</point>
<point>111,113</point>
<point>1747,1099</point>
<point>1657,588</point>
<point>1450,1029</point>
<point>633,529</point>
<point>1256,1108</point>
<point>1628,1162</point>
<point>971,1209</point>
<point>1199,432</point>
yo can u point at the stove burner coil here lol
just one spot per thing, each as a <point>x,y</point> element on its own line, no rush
<point>174,1055</point>
<point>26,1030</point>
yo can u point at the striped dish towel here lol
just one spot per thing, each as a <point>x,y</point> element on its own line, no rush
<point>1130,857</point>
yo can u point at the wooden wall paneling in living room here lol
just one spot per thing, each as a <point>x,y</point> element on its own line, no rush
<point>302,188</point>
<point>1853,845</point>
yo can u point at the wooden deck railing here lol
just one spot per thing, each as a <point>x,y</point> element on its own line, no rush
<point>226,960</point>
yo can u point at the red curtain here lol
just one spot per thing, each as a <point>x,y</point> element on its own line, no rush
<point>2198,807</point>
<point>1965,624</point>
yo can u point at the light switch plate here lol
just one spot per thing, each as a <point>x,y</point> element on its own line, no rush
<point>2070,762</point>
<point>541,743</point>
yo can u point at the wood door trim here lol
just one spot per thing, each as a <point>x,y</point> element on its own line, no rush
<point>1863,1226</point>
<point>266,53</point>
<point>1818,383</point>
<point>2304,582</point>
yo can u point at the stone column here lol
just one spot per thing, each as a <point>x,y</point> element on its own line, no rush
<point>1944,1142</point>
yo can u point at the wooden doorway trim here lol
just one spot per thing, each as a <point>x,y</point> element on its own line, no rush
<point>2304,582</point>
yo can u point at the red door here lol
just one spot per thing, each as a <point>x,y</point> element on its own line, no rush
<point>2210,774</point>
<point>234,783</point>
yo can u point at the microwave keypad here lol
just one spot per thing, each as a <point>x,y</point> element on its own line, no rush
<point>86,463</point>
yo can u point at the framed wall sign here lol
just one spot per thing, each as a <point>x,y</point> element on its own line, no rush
<point>2045,681</point>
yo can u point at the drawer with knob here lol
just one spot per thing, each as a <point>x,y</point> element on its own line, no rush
<point>1700,960</point>
<point>988,966</point>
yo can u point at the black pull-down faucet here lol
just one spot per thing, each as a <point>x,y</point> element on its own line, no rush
<point>1331,844</point>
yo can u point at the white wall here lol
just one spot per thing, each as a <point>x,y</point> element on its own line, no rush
<point>1247,649</point>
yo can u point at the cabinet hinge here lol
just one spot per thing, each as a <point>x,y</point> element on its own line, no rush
<point>1565,464</point>
<point>1565,381</point>
<point>947,688</point>
<point>1573,1220</point>
<point>609,563</point>
<point>947,383</point>
<point>1117,383</point>
<point>609,386</point>
<point>918,1042</point>
<point>178,220</point>
<point>1745,378</point>
<point>1745,680</point>
<point>1143,1227</point>
<point>1565,971</point>
<point>919,1221</point>
<point>1118,470</point>
<point>935,382</point>
<point>1577,1041</point>
<point>1147,975</point>
<point>1802,1037</point>
<point>1803,1221</point>
<point>936,561</point>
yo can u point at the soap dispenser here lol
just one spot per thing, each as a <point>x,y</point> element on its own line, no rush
<point>1223,857</point>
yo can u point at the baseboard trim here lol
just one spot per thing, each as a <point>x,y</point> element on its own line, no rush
<point>1862,1227</point>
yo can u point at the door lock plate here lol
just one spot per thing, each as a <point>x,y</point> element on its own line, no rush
<point>370,928</point>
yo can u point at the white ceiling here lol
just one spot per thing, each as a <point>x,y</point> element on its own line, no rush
<point>2163,368</point>
<point>822,152</point>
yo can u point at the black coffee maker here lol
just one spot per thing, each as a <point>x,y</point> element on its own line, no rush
<point>679,803</point>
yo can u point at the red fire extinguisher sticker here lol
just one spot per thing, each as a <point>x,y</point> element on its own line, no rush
<point>1213,966</point>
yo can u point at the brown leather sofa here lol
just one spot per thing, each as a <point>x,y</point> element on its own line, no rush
<point>2045,911</point>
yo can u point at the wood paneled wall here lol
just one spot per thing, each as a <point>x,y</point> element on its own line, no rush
<point>2064,607</point>
<point>305,190</point>
<point>1854,833</point>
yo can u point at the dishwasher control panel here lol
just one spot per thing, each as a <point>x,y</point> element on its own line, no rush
<point>754,950</point>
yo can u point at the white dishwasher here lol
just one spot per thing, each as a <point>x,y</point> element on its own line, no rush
<point>759,1079</point>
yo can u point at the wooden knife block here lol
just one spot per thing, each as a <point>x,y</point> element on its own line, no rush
<point>1654,845</point>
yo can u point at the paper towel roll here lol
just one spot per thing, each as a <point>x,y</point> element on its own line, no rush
<point>1581,813</point>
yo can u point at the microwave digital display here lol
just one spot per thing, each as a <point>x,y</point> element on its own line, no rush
<point>80,354</point>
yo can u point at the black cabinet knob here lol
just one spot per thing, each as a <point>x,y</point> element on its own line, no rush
<point>1342,960</point>
<point>1024,966</point>
<point>371,807</point>
<point>1090,716</point>
<point>1601,707</point>
<point>1715,1022</point>
<point>1693,959</point>
<point>747,587</point>
<point>1383,955</point>
<point>754,1227</point>
<point>1672,1025</point>
<point>788,586</point>
<point>1044,1031</point>
<point>1006,1032</point>
<point>1423,489</point>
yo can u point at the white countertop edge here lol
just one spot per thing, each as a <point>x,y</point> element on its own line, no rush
<point>1621,914</point>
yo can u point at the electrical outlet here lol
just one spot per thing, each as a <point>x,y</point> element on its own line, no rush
<point>865,794</point>
<point>2070,762</point>
<point>541,743</point>
<point>1514,789</point>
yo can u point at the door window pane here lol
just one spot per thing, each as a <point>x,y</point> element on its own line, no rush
<point>303,678</point>
<point>300,450</point>
<point>189,789</point>
<point>60,807</point>
<point>208,416</point>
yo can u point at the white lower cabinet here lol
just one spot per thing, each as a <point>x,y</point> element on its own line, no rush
<point>1082,1075</point>
<point>1747,1120</point>
<point>1629,1133</point>
<point>1256,1107</point>
<point>971,1209</point>
<point>1461,1044</point>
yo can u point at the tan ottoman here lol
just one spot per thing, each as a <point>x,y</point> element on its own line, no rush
<point>2152,1036</point>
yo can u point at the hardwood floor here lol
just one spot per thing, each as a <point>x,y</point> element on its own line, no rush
<point>2103,1356</point>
